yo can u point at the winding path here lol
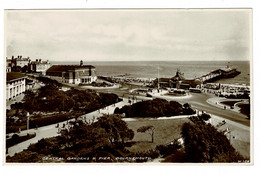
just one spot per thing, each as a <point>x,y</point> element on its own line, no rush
<point>52,130</point>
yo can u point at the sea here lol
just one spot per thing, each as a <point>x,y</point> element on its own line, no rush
<point>149,69</point>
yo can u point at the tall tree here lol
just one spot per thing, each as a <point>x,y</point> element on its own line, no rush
<point>116,128</point>
<point>149,129</point>
<point>203,143</point>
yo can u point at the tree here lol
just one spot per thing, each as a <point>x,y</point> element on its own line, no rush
<point>29,95</point>
<point>203,143</point>
<point>24,69</point>
<point>117,111</point>
<point>187,109</point>
<point>205,117</point>
<point>149,129</point>
<point>116,128</point>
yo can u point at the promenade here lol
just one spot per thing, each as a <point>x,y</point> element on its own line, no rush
<point>52,130</point>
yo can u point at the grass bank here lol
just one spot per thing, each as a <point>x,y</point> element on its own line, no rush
<point>165,132</point>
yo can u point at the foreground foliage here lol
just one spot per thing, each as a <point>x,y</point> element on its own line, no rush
<point>81,140</point>
<point>106,140</point>
<point>203,143</point>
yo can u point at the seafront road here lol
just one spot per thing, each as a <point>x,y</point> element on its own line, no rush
<point>199,101</point>
<point>196,100</point>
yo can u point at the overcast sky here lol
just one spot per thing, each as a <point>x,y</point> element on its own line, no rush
<point>129,35</point>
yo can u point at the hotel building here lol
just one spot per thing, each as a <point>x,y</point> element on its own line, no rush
<point>15,84</point>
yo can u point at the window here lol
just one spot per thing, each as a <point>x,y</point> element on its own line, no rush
<point>14,92</point>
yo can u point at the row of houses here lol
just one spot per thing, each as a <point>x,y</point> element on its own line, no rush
<point>24,64</point>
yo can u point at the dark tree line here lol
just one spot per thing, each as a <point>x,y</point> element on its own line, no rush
<point>155,108</point>
<point>49,98</point>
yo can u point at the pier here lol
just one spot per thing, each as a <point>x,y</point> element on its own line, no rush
<point>226,72</point>
<point>213,75</point>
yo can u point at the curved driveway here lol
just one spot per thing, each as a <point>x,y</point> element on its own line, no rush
<point>197,101</point>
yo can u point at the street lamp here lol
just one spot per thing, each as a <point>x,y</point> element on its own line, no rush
<point>28,118</point>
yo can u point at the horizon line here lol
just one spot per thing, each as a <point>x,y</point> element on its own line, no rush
<point>146,60</point>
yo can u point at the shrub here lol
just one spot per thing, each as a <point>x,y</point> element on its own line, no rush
<point>48,120</point>
<point>169,149</point>
<point>205,117</point>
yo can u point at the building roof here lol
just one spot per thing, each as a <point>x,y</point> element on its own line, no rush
<point>178,76</point>
<point>63,68</point>
<point>23,59</point>
<point>38,62</point>
<point>13,76</point>
<point>18,59</point>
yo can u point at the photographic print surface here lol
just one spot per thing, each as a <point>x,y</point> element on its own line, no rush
<point>128,86</point>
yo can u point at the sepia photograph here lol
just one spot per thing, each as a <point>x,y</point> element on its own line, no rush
<point>150,86</point>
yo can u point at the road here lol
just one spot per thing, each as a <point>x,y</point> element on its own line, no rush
<point>197,101</point>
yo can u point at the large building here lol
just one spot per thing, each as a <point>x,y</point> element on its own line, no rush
<point>15,84</point>
<point>74,74</point>
<point>39,66</point>
<point>17,63</point>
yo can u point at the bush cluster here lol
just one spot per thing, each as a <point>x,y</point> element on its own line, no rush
<point>154,108</point>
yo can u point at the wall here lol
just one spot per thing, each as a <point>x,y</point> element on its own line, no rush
<point>15,88</point>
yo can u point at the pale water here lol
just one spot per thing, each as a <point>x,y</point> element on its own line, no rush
<point>149,69</point>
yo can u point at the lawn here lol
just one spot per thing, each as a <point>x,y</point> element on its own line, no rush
<point>245,109</point>
<point>165,132</point>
